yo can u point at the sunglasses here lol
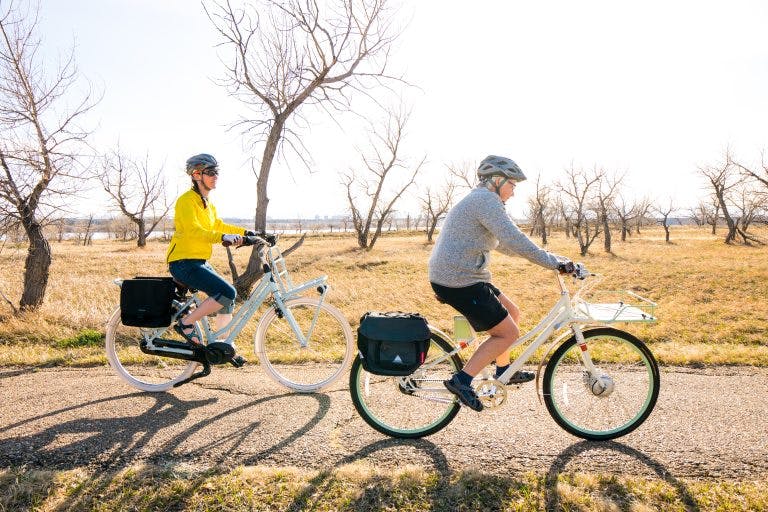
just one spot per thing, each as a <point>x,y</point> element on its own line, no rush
<point>210,172</point>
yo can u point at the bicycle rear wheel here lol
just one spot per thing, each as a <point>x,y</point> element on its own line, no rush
<point>408,407</point>
<point>610,404</point>
<point>328,351</point>
<point>143,371</point>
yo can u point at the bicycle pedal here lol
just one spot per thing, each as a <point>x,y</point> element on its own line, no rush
<point>238,361</point>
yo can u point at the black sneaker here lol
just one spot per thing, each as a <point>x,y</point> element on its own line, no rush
<point>520,377</point>
<point>465,394</point>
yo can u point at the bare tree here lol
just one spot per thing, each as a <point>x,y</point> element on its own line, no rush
<point>643,208</point>
<point>435,203</point>
<point>712,214</point>
<point>607,190</point>
<point>665,210</point>
<point>540,209</point>
<point>750,204</point>
<point>626,212</point>
<point>724,179</point>
<point>378,167</point>
<point>136,190</point>
<point>290,55</point>
<point>580,189</point>
<point>86,231</point>
<point>761,177</point>
<point>39,138</point>
<point>464,173</point>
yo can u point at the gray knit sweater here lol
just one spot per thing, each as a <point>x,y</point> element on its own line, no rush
<point>477,224</point>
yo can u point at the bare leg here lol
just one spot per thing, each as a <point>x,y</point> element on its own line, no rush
<point>207,307</point>
<point>514,312</point>
<point>501,338</point>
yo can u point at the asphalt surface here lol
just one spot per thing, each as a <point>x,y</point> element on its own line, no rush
<point>707,424</point>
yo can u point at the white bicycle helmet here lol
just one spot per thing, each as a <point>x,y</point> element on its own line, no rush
<point>499,166</point>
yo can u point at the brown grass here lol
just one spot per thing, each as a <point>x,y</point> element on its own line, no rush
<point>711,297</point>
<point>358,487</point>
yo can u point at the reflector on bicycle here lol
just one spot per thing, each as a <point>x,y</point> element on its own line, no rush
<point>392,343</point>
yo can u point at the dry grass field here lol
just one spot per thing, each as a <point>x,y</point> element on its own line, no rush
<point>712,307</point>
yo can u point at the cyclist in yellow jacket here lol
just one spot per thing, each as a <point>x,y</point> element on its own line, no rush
<point>198,228</point>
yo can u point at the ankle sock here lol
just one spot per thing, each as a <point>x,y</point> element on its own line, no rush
<point>500,370</point>
<point>464,378</point>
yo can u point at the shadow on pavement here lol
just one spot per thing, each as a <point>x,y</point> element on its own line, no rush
<point>114,443</point>
<point>570,454</point>
<point>323,483</point>
<point>111,443</point>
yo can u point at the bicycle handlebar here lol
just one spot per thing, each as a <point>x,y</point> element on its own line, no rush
<point>269,239</point>
<point>264,239</point>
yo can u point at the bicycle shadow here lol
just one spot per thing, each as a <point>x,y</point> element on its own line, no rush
<point>323,485</point>
<point>234,439</point>
<point>552,496</point>
<point>114,442</point>
<point>105,442</point>
<point>109,445</point>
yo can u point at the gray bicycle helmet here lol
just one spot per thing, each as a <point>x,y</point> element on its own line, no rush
<point>201,162</point>
<point>499,166</point>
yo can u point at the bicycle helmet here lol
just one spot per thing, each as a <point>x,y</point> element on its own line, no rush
<point>499,166</point>
<point>201,162</point>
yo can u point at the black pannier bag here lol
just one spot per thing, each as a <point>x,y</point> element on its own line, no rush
<point>393,343</point>
<point>147,301</point>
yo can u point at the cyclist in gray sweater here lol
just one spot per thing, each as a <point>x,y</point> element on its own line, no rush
<point>458,271</point>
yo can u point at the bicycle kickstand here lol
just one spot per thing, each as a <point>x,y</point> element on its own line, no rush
<point>202,373</point>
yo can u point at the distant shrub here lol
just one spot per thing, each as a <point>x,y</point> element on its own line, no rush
<point>85,338</point>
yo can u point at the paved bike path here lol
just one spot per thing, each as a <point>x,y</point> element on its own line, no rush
<point>707,423</point>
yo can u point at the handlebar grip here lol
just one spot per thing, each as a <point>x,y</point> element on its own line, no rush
<point>264,238</point>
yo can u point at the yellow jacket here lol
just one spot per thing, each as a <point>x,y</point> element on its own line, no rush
<point>197,229</point>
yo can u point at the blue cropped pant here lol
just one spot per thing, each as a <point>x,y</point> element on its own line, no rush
<point>199,274</point>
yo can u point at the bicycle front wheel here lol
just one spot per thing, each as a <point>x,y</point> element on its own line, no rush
<point>143,371</point>
<point>610,403</point>
<point>311,367</point>
<point>408,407</point>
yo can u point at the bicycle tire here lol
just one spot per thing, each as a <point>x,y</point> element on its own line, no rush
<point>143,371</point>
<point>613,407</point>
<point>322,362</point>
<point>402,412</point>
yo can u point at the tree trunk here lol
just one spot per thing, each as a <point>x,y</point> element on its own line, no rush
<point>606,234</point>
<point>253,270</point>
<point>36,267</point>
<point>141,225</point>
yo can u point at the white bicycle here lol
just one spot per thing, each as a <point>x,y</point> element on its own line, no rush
<point>304,343</point>
<point>600,382</point>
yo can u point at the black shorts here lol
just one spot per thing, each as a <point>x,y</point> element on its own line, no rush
<point>479,303</point>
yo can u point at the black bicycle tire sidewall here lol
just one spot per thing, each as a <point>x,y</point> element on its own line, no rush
<point>567,345</point>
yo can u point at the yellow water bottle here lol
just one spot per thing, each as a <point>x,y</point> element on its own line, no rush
<point>462,331</point>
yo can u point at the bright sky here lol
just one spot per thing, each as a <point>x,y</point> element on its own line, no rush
<point>653,88</point>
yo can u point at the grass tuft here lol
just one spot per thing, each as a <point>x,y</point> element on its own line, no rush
<point>85,338</point>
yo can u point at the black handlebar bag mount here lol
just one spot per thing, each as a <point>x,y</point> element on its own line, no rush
<point>147,301</point>
<point>393,343</point>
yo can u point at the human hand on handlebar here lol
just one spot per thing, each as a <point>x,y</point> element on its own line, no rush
<point>566,267</point>
<point>252,238</point>
<point>228,240</point>
<point>577,270</point>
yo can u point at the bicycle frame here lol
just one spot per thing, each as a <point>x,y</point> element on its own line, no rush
<point>267,286</point>
<point>562,315</point>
